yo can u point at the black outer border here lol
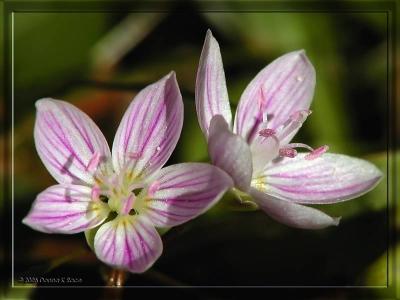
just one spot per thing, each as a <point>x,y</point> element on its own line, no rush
<point>389,7</point>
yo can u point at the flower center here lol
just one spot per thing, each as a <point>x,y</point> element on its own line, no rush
<point>285,132</point>
<point>124,192</point>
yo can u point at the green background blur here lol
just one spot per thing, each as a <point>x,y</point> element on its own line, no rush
<point>99,61</point>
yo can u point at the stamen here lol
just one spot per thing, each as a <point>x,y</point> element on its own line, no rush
<point>300,145</point>
<point>317,152</point>
<point>267,132</point>
<point>95,194</point>
<point>287,152</point>
<point>133,187</point>
<point>93,162</point>
<point>128,204</point>
<point>262,105</point>
<point>115,179</point>
<point>153,188</point>
<point>262,101</point>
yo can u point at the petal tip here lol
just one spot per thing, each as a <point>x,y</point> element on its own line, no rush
<point>378,176</point>
<point>171,74</point>
<point>170,78</point>
<point>210,40</point>
<point>302,55</point>
<point>42,102</point>
<point>378,173</point>
<point>166,78</point>
<point>25,221</point>
<point>33,225</point>
<point>209,34</point>
<point>336,221</point>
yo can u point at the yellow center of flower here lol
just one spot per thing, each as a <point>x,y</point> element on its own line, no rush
<point>123,192</point>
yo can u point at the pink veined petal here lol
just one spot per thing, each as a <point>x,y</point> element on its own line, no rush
<point>67,140</point>
<point>292,214</point>
<point>184,191</point>
<point>211,93</point>
<point>66,209</point>
<point>128,242</point>
<point>329,178</point>
<point>230,152</point>
<point>284,86</point>
<point>150,128</point>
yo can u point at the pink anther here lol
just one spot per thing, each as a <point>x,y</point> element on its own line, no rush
<point>267,132</point>
<point>287,152</point>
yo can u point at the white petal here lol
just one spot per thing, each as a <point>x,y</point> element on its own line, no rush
<point>283,87</point>
<point>67,140</point>
<point>263,151</point>
<point>293,214</point>
<point>128,242</point>
<point>329,178</point>
<point>185,191</point>
<point>66,209</point>
<point>211,93</point>
<point>150,128</point>
<point>230,152</point>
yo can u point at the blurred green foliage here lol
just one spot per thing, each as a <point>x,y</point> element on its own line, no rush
<point>98,61</point>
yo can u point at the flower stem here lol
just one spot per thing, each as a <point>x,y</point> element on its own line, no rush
<point>116,277</point>
<point>114,282</point>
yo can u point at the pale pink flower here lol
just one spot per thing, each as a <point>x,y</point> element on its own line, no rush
<point>130,181</point>
<point>257,152</point>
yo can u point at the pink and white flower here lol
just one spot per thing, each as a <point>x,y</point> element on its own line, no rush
<point>129,183</point>
<point>257,152</point>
